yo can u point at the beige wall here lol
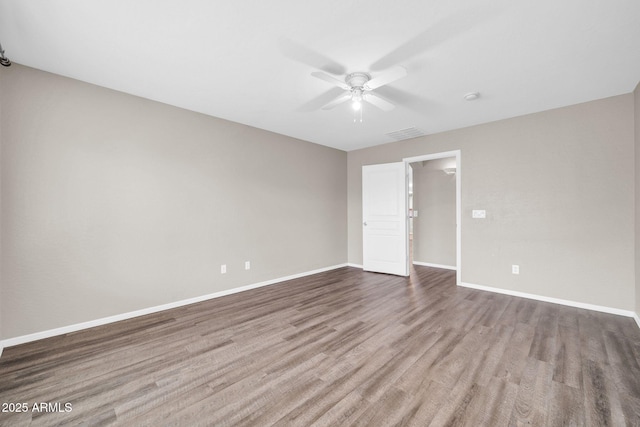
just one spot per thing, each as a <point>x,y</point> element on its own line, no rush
<point>113,203</point>
<point>559,194</point>
<point>636,95</point>
<point>434,197</point>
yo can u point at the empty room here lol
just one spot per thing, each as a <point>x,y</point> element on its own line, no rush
<point>336,213</point>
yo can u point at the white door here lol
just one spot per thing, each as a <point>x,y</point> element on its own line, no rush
<point>384,218</point>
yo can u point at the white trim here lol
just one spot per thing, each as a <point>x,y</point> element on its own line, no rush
<point>601,308</point>
<point>637,319</point>
<point>443,155</point>
<point>118,317</point>
<point>1,348</point>
<point>354,265</point>
<point>425,157</point>
<point>429,264</point>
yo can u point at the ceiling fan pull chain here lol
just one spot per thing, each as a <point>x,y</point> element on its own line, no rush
<point>355,115</point>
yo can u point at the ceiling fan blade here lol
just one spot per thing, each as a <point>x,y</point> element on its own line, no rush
<point>337,101</point>
<point>381,103</point>
<point>404,98</point>
<point>327,78</point>
<point>305,55</point>
<point>440,32</point>
<point>389,76</point>
<point>320,101</point>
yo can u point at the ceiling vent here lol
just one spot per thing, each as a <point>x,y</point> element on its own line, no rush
<point>407,133</point>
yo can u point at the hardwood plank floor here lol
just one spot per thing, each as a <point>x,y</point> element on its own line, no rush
<point>339,348</point>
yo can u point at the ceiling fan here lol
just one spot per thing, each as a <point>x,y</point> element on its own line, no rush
<point>359,86</point>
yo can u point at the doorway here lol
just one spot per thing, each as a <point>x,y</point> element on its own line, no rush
<point>385,214</point>
<point>453,166</point>
<point>432,213</point>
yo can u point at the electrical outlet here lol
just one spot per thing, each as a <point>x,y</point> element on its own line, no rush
<point>247,265</point>
<point>515,269</point>
<point>223,268</point>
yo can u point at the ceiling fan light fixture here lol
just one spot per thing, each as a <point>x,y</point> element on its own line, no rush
<point>356,99</point>
<point>358,84</point>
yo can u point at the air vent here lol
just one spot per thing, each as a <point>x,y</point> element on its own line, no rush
<point>407,133</point>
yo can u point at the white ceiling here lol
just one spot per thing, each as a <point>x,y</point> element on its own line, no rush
<point>250,61</point>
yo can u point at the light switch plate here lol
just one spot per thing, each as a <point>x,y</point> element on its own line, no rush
<point>478,213</point>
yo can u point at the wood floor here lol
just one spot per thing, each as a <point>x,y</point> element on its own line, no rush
<point>337,349</point>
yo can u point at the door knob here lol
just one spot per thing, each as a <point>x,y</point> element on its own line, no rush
<point>364,223</point>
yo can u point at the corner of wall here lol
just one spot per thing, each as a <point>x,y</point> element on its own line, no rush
<point>636,116</point>
<point>1,223</point>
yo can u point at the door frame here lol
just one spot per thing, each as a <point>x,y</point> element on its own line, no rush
<point>457,154</point>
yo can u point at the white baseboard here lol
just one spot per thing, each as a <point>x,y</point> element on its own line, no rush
<point>601,308</point>
<point>118,317</point>
<point>111,319</point>
<point>429,264</point>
